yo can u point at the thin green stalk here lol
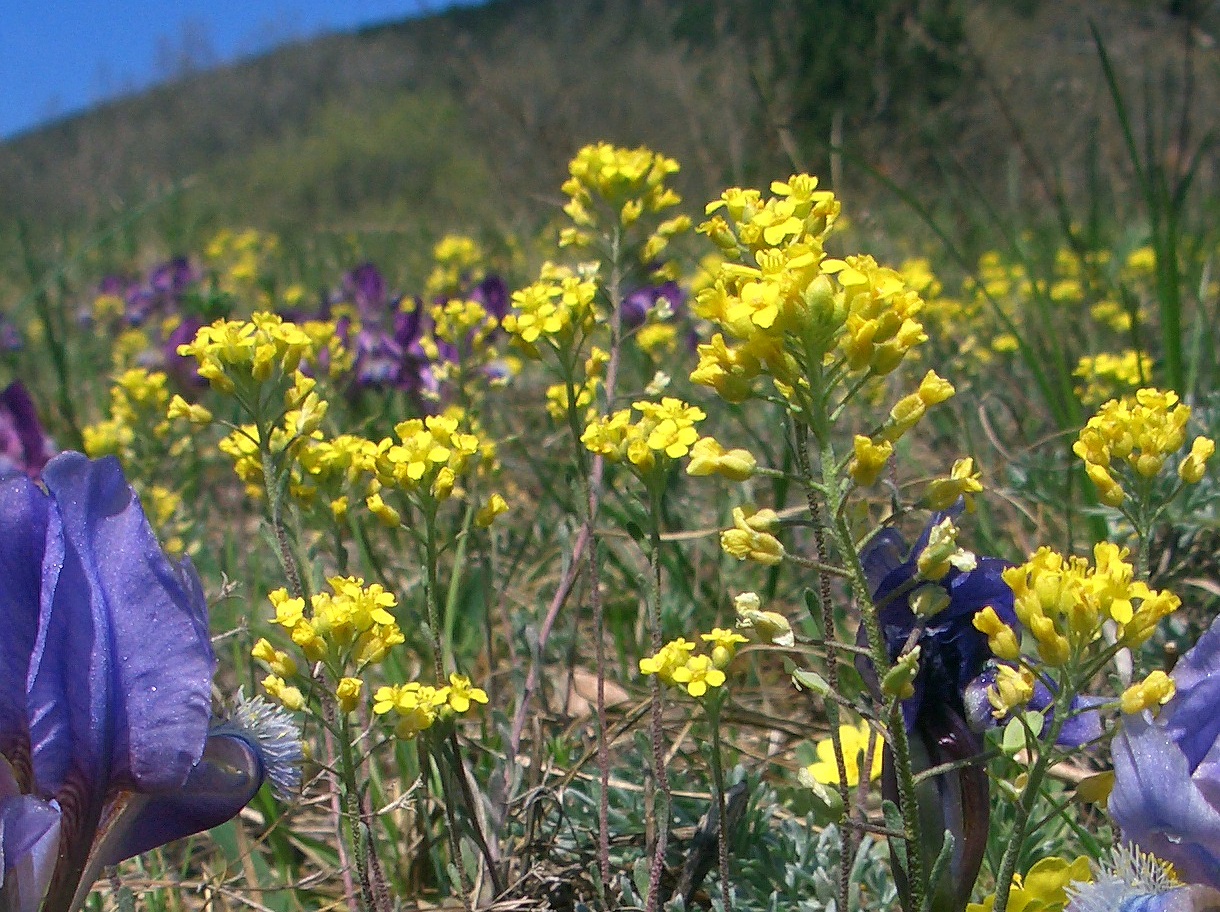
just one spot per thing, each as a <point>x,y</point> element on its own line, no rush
<point>432,596</point>
<point>354,829</point>
<point>830,638</point>
<point>1029,798</point>
<point>655,720</point>
<point>900,747</point>
<point>712,706</point>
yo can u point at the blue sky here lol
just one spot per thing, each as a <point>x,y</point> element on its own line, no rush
<point>58,57</point>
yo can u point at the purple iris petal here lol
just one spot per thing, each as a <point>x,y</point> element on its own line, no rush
<point>365,287</point>
<point>492,293</point>
<point>1166,796</point>
<point>121,675</point>
<point>105,677</point>
<point>956,801</point>
<point>23,517</point>
<point>29,845</point>
<point>217,788</point>
<point>24,445</point>
<point>952,652</point>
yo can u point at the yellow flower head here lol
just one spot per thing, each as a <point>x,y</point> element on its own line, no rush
<point>673,655</point>
<point>462,693</point>
<point>855,740</point>
<point>1044,888</point>
<point>724,645</point>
<point>697,675</point>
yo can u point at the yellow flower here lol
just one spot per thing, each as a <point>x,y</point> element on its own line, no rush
<point>855,740</point>
<point>1192,467</point>
<point>1001,639</point>
<point>285,694</point>
<point>869,460</point>
<point>672,656</point>
<point>724,645</point>
<point>1154,690</point>
<point>708,457</point>
<point>963,481</point>
<point>1013,688</point>
<point>1044,888</point>
<point>279,662</point>
<point>348,693</point>
<point>697,675</point>
<point>462,693</point>
<point>496,504</point>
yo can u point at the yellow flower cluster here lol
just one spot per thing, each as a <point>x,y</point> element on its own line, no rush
<point>881,326</point>
<point>238,260</point>
<point>1063,603</point>
<point>418,706</point>
<point>677,663</point>
<point>552,310</point>
<point>1140,432</point>
<point>332,467</point>
<point>351,624</point>
<point>298,427</point>
<point>233,352</point>
<point>631,182</point>
<point>858,741</point>
<point>138,401</point>
<point>1106,375</point>
<point>751,538</point>
<point>783,308</point>
<point>666,428</point>
<point>432,454</point>
<point>457,258</point>
<point>949,318</point>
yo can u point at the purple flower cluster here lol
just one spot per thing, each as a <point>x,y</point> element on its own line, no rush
<point>159,293</point>
<point>386,333</point>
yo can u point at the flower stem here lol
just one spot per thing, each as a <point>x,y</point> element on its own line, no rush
<point>1029,797</point>
<point>722,831</point>
<point>655,720</point>
<point>831,640</point>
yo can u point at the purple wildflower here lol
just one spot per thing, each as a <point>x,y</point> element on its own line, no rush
<point>106,747</point>
<point>1166,796</point>
<point>24,445</point>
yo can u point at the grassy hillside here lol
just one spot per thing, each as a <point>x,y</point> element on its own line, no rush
<point>470,116</point>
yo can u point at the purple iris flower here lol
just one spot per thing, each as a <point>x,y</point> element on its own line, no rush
<point>1082,726</point>
<point>106,742</point>
<point>952,651</point>
<point>365,287</point>
<point>24,445</point>
<point>1166,796</point>
<point>638,303</point>
<point>952,654</point>
<point>183,369</point>
<point>492,293</point>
